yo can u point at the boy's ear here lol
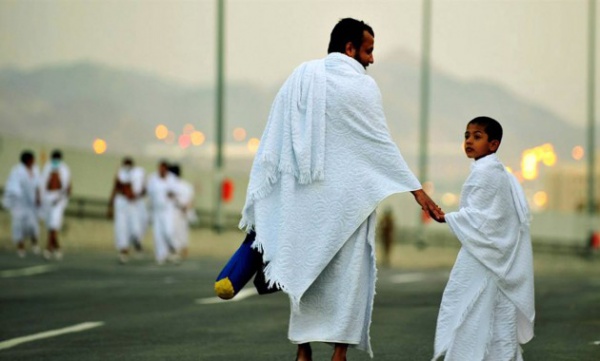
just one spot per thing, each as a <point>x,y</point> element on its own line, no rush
<point>494,145</point>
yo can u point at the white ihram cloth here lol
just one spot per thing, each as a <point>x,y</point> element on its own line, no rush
<point>130,214</point>
<point>54,202</point>
<point>183,198</point>
<point>325,161</point>
<point>163,209</point>
<point>20,198</point>
<point>138,177</point>
<point>488,309</point>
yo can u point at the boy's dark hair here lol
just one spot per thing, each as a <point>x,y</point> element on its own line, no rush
<point>491,126</point>
<point>348,30</point>
<point>56,154</point>
<point>26,156</point>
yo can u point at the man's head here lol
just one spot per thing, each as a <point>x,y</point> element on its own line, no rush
<point>55,158</point>
<point>56,154</point>
<point>27,158</point>
<point>175,169</point>
<point>127,162</point>
<point>354,38</point>
<point>482,137</point>
<point>163,168</point>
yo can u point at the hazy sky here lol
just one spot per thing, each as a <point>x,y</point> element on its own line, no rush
<point>536,48</point>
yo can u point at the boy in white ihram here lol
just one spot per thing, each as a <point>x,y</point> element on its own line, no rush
<point>488,308</point>
<point>22,198</point>
<point>55,190</point>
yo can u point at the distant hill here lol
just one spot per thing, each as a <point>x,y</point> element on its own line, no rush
<point>71,104</point>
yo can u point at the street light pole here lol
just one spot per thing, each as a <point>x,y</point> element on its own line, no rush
<point>424,108</point>
<point>591,106</point>
<point>425,75</point>
<point>219,118</point>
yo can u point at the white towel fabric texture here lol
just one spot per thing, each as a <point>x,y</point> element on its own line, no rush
<point>488,306</point>
<point>325,161</point>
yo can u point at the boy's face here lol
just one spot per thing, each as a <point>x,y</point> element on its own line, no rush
<point>476,143</point>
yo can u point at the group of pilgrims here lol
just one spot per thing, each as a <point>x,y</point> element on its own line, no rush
<point>169,207</point>
<point>162,199</point>
<point>30,196</point>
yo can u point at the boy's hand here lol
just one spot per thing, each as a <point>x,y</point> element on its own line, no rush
<point>428,205</point>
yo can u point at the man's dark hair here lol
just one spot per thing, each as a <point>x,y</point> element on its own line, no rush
<point>175,169</point>
<point>127,161</point>
<point>491,126</point>
<point>26,156</point>
<point>56,154</point>
<point>348,30</point>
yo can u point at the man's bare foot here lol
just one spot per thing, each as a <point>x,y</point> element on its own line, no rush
<point>339,353</point>
<point>304,352</point>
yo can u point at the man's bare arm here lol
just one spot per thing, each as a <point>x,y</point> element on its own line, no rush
<point>428,205</point>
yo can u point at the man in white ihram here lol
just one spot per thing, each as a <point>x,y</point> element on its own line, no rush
<point>124,205</point>
<point>326,160</point>
<point>55,188</point>
<point>184,212</point>
<point>22,198</point>
<point>162,191</point>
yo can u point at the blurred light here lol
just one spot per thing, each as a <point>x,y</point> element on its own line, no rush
<point>184,141</point>
<point>529,165</point>
<point>549,159</point>
<point>532,157</point>
<point>197,138</point>
<point>188,129</point>
<point>519,176</point>
<point>161,131</point>
<point>170,139</point>
<point>540,199</point>
<point>253,144</point>
<point>239,134</point>
<point>99,146</point>
<point>449,199</point>
<point>577,153</point>
<point>428,187</point>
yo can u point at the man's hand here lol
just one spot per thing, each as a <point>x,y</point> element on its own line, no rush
<point>428,205</point>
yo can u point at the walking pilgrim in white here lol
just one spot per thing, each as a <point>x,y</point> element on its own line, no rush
<point>326,160</point>
<point>184,212</point>
<point>488,308</point>
<point>162,190</point>
<point>124,207</point>
<point>55,189</point>
<point>138,174</point>
<point>22,198</point>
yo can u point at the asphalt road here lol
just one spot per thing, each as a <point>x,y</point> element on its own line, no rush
<point>100,310</point>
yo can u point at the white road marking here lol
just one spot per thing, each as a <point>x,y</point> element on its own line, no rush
<point>408,278</point>
<point>595,343</point>
<point>38,336</point>
<point>29,271</point>
<point>243,294</point>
